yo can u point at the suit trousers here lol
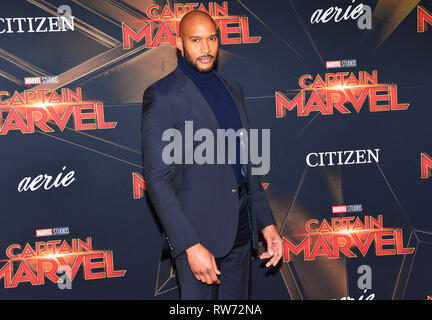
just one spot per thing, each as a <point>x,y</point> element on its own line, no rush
<point>234,268</point>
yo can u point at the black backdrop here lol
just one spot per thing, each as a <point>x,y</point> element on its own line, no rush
<point>100,202</point>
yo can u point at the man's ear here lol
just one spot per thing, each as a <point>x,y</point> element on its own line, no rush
<point>179,43</point>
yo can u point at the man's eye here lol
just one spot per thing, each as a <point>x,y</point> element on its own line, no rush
<point>195,40</point>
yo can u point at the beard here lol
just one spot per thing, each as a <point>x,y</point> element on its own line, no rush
<point>194,64</point>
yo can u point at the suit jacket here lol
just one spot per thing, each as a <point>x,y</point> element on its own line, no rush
<point>195,203</point>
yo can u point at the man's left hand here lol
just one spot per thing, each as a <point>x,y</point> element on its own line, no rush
<point>274,246</point>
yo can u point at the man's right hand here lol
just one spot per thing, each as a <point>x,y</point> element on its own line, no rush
<point>203,264</point>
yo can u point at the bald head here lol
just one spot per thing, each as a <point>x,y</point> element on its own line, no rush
<point>198,40</point>
<point>194,18</point>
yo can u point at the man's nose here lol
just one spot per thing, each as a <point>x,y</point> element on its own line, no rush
<point>205,48</point>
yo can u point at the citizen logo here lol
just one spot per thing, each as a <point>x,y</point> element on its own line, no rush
<point>339,158</point>
<point>63,22</point>
<point>36,24</point>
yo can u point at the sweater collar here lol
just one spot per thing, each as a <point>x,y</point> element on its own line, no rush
<point>191,72</point>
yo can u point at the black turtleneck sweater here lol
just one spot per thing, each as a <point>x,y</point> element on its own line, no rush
<point>227,115</point>
<point>221,102</point>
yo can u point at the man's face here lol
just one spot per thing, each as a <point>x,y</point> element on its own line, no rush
<point>199,44</point>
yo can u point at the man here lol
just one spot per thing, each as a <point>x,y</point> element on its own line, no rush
<point>210,212</point>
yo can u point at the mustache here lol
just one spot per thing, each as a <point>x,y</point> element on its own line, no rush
<point>205,56</point>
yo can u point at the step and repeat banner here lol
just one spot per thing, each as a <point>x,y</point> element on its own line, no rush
<point>343,86</point>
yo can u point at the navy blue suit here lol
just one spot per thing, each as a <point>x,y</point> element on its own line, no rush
<point>195,203</point>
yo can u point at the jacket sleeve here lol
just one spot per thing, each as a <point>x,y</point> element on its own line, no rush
<point>159,176</point>
<point>259,203</point>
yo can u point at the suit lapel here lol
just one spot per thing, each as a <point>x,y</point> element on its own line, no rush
<point>237,102</point>
<point>245,168</point>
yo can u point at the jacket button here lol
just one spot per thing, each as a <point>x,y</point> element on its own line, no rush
<point>233,190</point>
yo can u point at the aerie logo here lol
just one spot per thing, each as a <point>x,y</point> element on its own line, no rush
<point>46,181</point>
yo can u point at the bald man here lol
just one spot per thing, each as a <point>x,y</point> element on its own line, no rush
<point>211,213</point>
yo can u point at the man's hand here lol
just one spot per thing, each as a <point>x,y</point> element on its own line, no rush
<point>203,264</point>
<point>274,246</point>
